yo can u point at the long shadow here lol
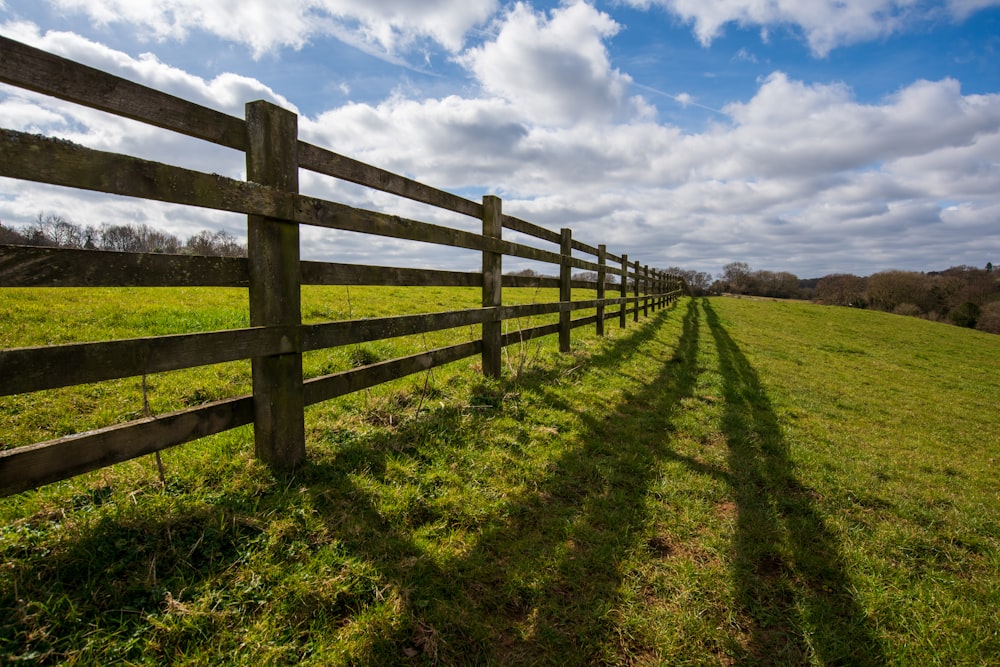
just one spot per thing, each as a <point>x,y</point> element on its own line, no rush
<point>791,580</point>
<point>537,586</point>
<point>539,583</point>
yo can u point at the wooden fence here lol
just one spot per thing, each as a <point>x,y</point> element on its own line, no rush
<point>273,273</point>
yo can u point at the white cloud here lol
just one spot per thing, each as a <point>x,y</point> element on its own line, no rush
<point>794,130</point>
<point>798,167</point>
<point>556,69</point>
<point>961,9</point>
<point>800,177</point>
<point>227,92</point>
<point>263,26</point>
<point>826,24</point>
<point>451,142</point>
<point>394,24</point>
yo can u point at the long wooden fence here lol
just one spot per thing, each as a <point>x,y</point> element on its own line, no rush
<point>273,273</point>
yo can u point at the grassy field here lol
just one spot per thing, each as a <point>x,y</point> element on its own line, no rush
<point>726,482</point>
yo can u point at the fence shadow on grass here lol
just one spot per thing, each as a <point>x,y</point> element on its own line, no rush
<point>536,586</point>
<point>541,581</point>
<point>791,580</point>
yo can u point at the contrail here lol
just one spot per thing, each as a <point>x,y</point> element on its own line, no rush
<point>683,100</point>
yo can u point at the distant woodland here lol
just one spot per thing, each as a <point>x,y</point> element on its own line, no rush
<point>965,296</point>
<point>57,232</point>
<point>961,295</point>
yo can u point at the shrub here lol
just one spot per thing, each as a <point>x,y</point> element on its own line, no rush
<point>965,315</point>
<point>989,318</point>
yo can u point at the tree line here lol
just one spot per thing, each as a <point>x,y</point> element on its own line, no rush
<point>55,231</point>
<point>962,295</point>
<point>965,296</point>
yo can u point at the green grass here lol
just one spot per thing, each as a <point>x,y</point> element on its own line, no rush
<point>727,482</point>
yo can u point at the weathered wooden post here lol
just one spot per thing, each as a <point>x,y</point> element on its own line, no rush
<point>492,287</point>
<point>657,292</point>
<point>624,292</point>
<point>653,292</point>
<point>565,292</point>
<point>635,284</point>
<point>275,288</point>
<point>645,290</point>
<point>602,274</point>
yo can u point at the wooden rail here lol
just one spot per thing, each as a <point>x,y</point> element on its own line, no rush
<point>273,273</point>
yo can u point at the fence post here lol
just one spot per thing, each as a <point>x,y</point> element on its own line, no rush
<point>275,288</point>
<point>602,274</point>
<point>635,285</point>
<point>565,292</point>
<point>492,287</point>
<point>657,291</point>
<point>652,291</point>
<point>645,290</point>
<point>624,292</point>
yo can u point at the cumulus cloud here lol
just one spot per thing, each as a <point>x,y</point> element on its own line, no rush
<point>388,25</point>
<point>556,69</point>
<point>791,128</point>
<point>451,142</point>
<point>826,24</point>
<point>796,168</point>
<point>226,92</point>
<point>801,176</point>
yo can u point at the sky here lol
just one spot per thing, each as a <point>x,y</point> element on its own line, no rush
<point>810,136</point>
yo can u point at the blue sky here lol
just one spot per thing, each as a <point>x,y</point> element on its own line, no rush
<point>811,136</point>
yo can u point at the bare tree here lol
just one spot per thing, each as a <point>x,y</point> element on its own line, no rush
<point>698,282</point>
<point>10,236</point>
<point>220,243</point>
<point>841,289</point>
<point>736,276</point>
<point>889,289</point>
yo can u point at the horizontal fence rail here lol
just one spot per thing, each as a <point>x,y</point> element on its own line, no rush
<point>273,274</point>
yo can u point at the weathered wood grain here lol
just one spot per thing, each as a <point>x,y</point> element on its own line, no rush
<point>349,332</point>
<point>565,287</point>
<point>275,289</point>
<point>584,247</point>
<point>623,288</point>
<point>332,273</point>
<point>602,260</point>
<point>33,69</point>
<point>492,288</point>
<point>57,162</point>
<point>28,369</point>
<point>31,466</point>
<point>338,384</point>
<point>22,266</point>
<point>529,310</point>
<point>327,162</point>
<point>530,281</point>
<point>530,228</point>
<point>637,288</point>
<point>522,335</point>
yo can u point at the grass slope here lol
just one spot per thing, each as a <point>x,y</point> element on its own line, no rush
<point>727,482</point>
